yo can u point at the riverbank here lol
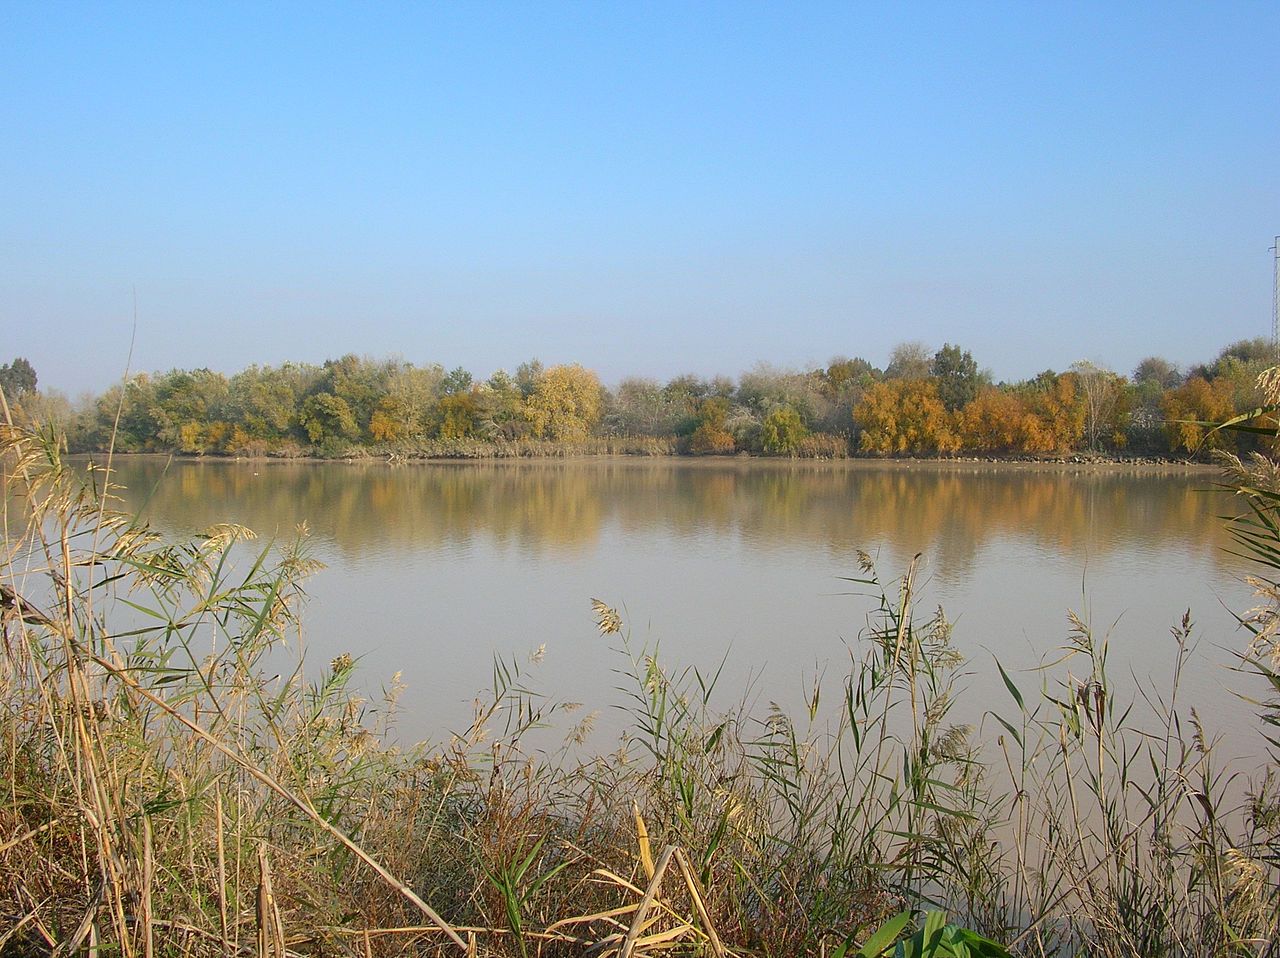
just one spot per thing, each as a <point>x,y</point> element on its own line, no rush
<point>1077,462</point>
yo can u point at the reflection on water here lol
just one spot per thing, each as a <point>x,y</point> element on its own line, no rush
<point>434,567</point>
<point>947,512</point>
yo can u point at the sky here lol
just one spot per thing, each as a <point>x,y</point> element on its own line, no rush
<point>645,188</point>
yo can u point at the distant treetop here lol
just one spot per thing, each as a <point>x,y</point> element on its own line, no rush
<point>17,378</point>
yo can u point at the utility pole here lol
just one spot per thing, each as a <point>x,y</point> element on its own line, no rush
<point>1275,301</point>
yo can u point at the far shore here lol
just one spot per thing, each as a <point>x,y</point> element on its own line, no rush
<point>1073,463</point>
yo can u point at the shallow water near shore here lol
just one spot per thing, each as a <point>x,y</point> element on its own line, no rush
<point>434,568</point>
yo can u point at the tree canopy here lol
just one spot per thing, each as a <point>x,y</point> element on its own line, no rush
<point>17,378</point>
<point>923,403</point>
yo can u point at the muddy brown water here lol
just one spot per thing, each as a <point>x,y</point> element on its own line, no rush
<point>432,569</point>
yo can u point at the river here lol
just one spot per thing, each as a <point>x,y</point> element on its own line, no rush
<point>432,569</point>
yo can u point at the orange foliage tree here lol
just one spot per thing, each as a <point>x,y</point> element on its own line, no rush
<point>1060,415</point>
<point>1000,421</point>
<point>711,436</point>
<point>901,416</point>
<point>1195,402</point>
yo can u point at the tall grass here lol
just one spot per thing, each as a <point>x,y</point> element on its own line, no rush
<point>175,784</point>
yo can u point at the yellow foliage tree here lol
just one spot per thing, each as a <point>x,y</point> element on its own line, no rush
<point>191,437</point>
<point>457,416</point>
<point>1061,416</point>
<point>564,403</point>
<point>392,419</point>
<point>711,437</point>
<point>1199,401</point>
<point>905,416</point>
<point>999,421</point>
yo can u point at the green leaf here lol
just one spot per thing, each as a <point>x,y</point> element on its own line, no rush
<point>980,946</point>
<point>1008,683</point>
<point>714,737</point>
<point>1017,737</point>
<point>884,936</point>
<point>932,934</point>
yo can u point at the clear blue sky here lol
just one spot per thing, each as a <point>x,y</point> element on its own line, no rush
<point>644,188</point>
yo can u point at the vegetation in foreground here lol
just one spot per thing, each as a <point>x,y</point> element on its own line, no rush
<point>922,403</point>
<point>168,791</point>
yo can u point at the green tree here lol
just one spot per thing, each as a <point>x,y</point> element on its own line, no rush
<point>189,410</point>
<point>328,419</point>
<point>528,375</point>
<point>957,375</point>
<point>17,378</point>
<point>126,417</point>
<point>502,400</point>
<point>782,431</point>
<point>765,388</point>
<point>682,396</point>
<point>264,401</point>
<point>1152,378</point>
<point>1158,372</point>
<point>456,381</point>
<point>1251,352</point>
<point>359,383</point>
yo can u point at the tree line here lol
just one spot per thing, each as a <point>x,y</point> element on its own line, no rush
<point>922,403</point>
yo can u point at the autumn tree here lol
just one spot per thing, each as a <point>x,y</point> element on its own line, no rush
<point>710,436</point>
<point>564,404</point>
<point>1056,403</point>
<point>189,409</point>
<point>900,416</point>
<point>843,373</point>
<point>1196,402</point>
<point>998,420</point>
<point>407,408</point>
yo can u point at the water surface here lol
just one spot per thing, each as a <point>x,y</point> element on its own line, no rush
<point>432,569</point>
